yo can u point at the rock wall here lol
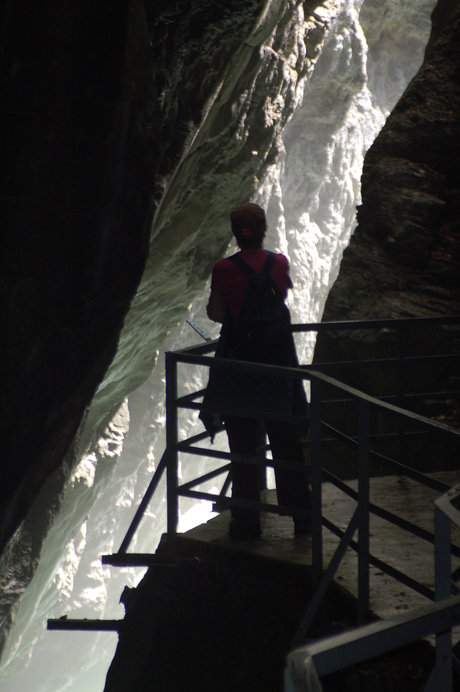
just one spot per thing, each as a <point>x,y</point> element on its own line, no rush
<point>112,115</point>
<point>107,114</point>
<point>403,259</point>
<point>99,106</point>
<point>77,208</point>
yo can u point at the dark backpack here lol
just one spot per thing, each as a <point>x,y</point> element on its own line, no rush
<point>262,332</point>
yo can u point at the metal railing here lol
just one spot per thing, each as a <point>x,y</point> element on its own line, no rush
<point>364,407</point>
<point>196,355</point>
<point>307,664</point>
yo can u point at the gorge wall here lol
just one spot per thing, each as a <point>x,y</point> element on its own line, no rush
<point>129,134</point>
<point>403,258</point>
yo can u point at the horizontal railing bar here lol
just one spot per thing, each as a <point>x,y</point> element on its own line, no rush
<point>372,324</point>
<point>418,476</point>
<point>201,436</point>
<point>401,469</point>
<point>240,365</point>
<point>199,348</point>
<point>254,413</point>
<point>385,461</point>
<point>190,406</point>
<point>227,503</point>
<point>201,451</point>
<point>347,364</point>
<point>377,437</point>
<point>426,359</point>
<point>425,396</point>
<point>85,625</point>
<point>191,397</point>
<point>437,428</point>
<point>251,413</point>
<point>422,396</point>
<point>362,643</point>
<point>340,436</point>
<point>397,411</point>
<point>244,458</point>
<point>385,514</point>
<point>136,559</point>
<point>373,437</point>
<point>352,441</point>
<point>300,373</point>
<point>401,577</point>
<point>378,362</point>
<point>376,562</point>
<point>397,466</point>
<point>207,477</point>
<point>327,402</point>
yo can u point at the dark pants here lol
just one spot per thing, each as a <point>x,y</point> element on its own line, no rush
<point>292,488</point>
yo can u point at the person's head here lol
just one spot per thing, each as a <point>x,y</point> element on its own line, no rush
<point>249,225</point>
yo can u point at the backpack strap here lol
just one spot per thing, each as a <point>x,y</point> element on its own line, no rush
<point>249,271</point>
<point>269,263</point>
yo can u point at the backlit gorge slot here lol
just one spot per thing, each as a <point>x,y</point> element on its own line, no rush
<point>130,129</point>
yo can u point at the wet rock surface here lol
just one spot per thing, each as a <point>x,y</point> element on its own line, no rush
<point>403,258</point>
<point>106,110</point>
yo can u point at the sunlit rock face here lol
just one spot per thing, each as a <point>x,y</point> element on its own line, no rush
<point>283,113</point>
<point>101,104</point>
<point>403,259</point>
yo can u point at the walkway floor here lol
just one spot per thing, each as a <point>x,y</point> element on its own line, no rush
<point>404,551</point>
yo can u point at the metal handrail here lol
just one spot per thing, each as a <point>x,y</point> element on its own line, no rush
<point>340,651</point>
<point>197,355</point>
<point>360,644</point>
<point>194,355</point>
<point>365,402</point>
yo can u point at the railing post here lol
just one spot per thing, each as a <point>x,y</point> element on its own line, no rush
<point>171,446</point>
<point>363,510</point>
<point>261,442</point>
<point>402,391</point>
<point>443,589</point>
<point>315,473</point>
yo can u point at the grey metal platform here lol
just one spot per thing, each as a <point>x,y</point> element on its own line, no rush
<point>404,551</point>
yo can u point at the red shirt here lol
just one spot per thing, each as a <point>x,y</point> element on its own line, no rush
<point>229,282</point>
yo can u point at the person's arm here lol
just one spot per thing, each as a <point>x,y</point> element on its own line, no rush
<point>281,275</point>
<point>216,308</point>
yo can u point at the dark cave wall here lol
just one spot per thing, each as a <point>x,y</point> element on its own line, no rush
<point>97,103</point>
<point>77,208</point>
